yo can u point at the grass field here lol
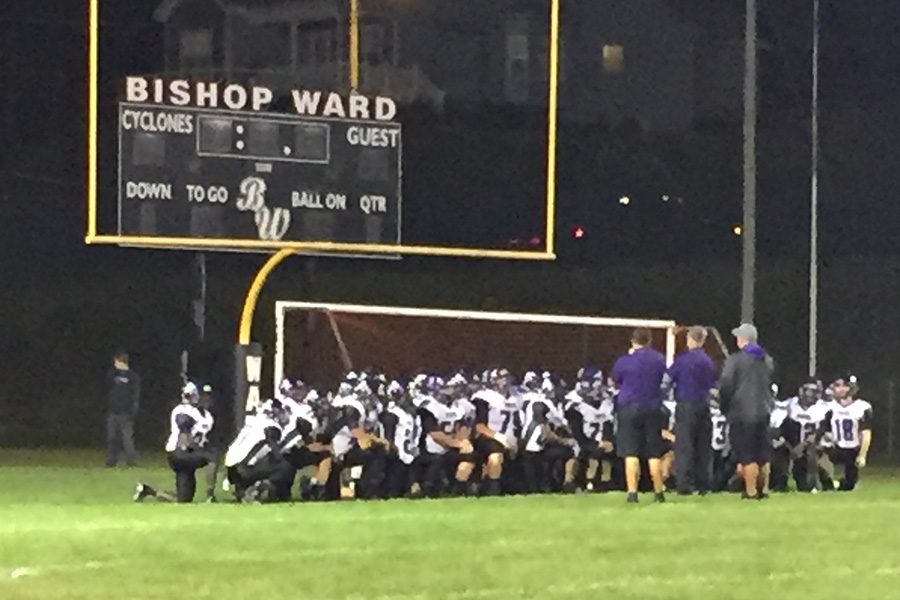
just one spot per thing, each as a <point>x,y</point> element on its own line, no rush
<point>69,530</point>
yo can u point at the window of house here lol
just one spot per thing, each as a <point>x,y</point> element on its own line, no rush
<point>319,43</point>
<point>517,72</point>
<point>371,43</point>
<point>264,46</point>
<point>613,58</point>
<point>195,49</point>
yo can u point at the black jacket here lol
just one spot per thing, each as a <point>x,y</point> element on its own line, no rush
<point>745,387</point>
<point>123,392</point>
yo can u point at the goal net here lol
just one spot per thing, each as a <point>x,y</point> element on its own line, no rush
<point>319,342</point>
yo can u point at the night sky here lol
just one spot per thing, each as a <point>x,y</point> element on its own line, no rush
<point>42,157</point>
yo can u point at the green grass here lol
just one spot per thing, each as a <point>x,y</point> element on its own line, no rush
<point>69,530</point>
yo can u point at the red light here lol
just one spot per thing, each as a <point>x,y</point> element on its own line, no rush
<point>578,233</point>
<point>535,241</point>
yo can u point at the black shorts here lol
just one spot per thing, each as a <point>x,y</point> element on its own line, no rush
<point>484,447</point>
<point>300,458</point>
<point>639,432</point>
<point>667,447</point>
<point>750,442</point>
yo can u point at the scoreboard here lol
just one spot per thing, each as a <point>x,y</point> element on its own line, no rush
<point>242,175</point>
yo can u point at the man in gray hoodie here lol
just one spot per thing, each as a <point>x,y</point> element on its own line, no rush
<point>745,395</point>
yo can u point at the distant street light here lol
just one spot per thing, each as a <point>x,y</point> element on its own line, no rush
<point>624,200</point>
<point>737,230</point>
<point>578,233</point>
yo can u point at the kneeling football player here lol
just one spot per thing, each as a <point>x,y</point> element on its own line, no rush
<point>543,448</point>
<point>402,428</point>
<point>188,447</point>
<point>850,419</point>
<point>495,429</point>
<point>256,468</point>
<point>442,451</point>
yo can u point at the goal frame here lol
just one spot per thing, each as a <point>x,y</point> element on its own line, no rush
<point>283,306</point>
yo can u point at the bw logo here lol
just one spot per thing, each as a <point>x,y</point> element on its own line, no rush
<point>271,223</point>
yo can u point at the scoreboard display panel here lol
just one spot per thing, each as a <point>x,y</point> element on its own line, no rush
<point>215,173</point>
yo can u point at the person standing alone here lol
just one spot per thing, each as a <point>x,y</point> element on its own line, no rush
<point>638,376</point>
<point>123,395</point>
<point>692,376</point>
<point>745,394</point>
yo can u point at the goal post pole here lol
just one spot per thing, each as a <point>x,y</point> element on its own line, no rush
<point>250,301</point>
<point>248,357</point>
<point>670,345</point>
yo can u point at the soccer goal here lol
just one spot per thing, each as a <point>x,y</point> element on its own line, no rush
<point>319,342</point>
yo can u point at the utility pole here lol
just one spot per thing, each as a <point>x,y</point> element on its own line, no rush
<point>814,204</point>
<point>748,278</point>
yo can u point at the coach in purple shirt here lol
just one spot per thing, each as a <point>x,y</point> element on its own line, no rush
<point>638,376</point>
<point>691,377</point>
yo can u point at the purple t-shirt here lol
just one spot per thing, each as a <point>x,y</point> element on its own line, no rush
<point>693,375</point>
<point>638,376</point>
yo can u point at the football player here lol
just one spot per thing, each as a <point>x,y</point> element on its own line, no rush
<point>781,454</point>
<point>361,451</point>
<point>667,458</point>
<point>850,422</point>
<point>299,444</point>
<point>443,450</point>
<point>722,469</point>
<point>542,446</point>
<point>403,429</point>
<point>256,468</point>
<point>495,429</point>
<point>188,447</point>
<point>590,426</point>
<point>803,432</point>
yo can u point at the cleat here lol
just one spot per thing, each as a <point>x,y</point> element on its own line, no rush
<point>142,491</point>
<point>250,495</point>
<point>632,498</point>
<point>660,498</point>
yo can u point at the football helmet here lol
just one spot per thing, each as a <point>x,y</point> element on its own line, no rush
<point>190,394</point>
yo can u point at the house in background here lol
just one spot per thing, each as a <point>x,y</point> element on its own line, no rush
<point>619,59</point>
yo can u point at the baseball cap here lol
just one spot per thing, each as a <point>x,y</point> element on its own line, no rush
<point>746,330</point>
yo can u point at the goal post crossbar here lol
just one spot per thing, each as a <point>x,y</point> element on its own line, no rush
<point>284,306</point>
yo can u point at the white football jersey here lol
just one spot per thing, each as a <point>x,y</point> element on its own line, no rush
<point>809,418</point>
<point>250,445</point>
<point>592,418</point>
<point>670,407</point>
<point>777,418</point>
<point>203,424</point>
<point>406,435</point>
<point>465,410</point>
<point>343,440</point>
<point>532,430</point>
<point>298,414</point>
<point>847,421</point>
<point>503,412</point>
<point>720,442</point>
<point>446,418</point>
